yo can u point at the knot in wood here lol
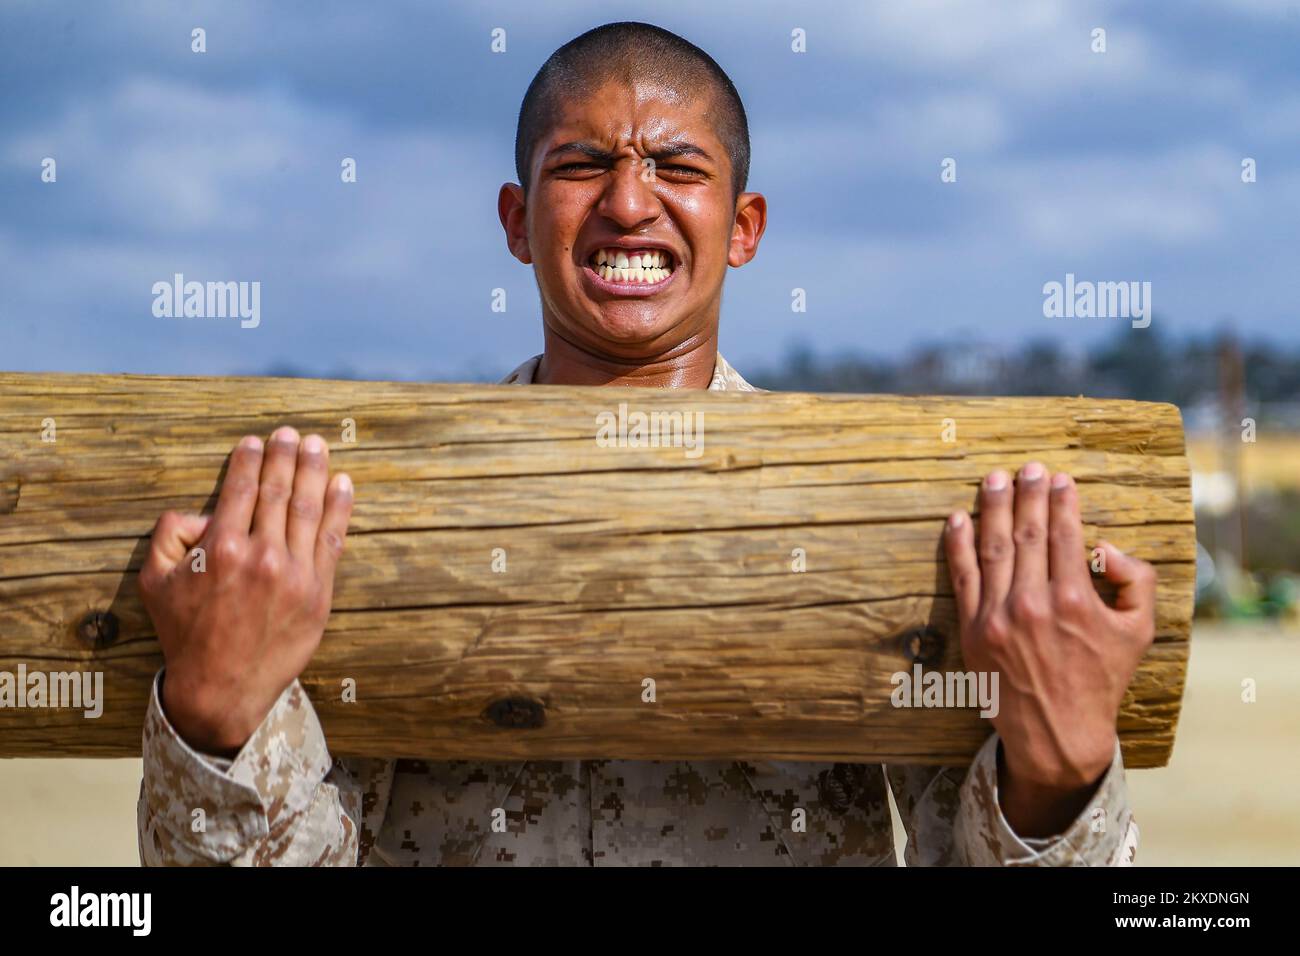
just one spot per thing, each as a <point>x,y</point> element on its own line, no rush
<point>520,713</point>
<point>923,645</point>
<point>97,629</point>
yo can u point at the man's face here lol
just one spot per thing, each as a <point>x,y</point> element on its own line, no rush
<point>595,208</point>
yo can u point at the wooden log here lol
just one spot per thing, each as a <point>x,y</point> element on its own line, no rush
<point>511,582</point>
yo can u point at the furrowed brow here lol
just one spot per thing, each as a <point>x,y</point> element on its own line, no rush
<point>589,150</point>
<point>674,150</point>
<point>677,150</point>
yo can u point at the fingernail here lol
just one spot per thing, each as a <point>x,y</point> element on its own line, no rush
<point>955,521</point>
<point>285,433</point>
<point>313,445</point>
<point>1060,480</point>
<point>251,441</point>
<point>1032,471</point>
<point>345,484</point>
<point>996,481</point>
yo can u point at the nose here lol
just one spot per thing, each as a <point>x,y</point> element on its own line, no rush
<point>629,199</point>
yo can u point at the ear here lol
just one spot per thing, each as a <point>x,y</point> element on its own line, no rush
<point>747,230</point>
<point>511,209</point>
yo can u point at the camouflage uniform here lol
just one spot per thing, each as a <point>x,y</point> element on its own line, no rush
<point>284,801</point>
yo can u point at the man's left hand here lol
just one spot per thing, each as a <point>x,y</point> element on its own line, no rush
<point>1028,611</point>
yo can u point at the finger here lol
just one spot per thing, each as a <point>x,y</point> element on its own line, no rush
<point>234,511</point>
<point>1068,564</point>
<point>307,505</point>
<point>963,567</point>
<point>333,528</point>
<point>1030,535</point>
<point>278,466</point>
<point>1136,580</point>
<point>996,551</point>
<point>174,536</point>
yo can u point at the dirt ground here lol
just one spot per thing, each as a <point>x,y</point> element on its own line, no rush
<point>1230,794</point>
<point>1228,797</point>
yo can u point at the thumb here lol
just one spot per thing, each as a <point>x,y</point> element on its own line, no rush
<point>1136,581</point>
<point>173,537</point>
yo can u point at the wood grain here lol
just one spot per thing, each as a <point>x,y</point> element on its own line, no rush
<point>621,563</point>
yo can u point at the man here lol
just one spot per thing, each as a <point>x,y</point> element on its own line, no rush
<point>632,156</point>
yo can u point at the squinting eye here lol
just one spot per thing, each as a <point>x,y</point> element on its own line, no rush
<point>570,167</point>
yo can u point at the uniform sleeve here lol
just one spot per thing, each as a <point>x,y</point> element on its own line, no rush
<point>953,818</point>
<point>280,802</point>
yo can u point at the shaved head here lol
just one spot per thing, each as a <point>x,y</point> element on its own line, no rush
<point>633,53</point>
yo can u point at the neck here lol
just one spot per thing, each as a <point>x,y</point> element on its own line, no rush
<point>688,365</point>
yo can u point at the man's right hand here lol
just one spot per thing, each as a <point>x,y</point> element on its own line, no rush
<point>238,632</point>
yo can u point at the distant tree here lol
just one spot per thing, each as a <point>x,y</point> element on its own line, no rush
<point>1149,366</point>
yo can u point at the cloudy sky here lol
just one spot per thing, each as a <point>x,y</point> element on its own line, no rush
<point>1122,165</point>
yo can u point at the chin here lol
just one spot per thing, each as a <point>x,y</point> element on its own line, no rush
<point>632,326</point>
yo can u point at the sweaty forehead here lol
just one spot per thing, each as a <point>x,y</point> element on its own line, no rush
<point>619,113</point>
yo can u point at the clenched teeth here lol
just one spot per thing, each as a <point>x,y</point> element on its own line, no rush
<point>646,265</point>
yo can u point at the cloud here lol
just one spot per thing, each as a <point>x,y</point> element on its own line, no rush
<point>226,165</point>
<point>1077,205</point>
<point>244,186</point>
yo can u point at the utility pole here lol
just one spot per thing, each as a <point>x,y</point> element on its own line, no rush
<point>1232,403</point>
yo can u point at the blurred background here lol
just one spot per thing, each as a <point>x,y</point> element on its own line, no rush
<point>1123,165</point>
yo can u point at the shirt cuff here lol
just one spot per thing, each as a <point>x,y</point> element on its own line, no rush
<point>218,806</point>
<point>1104,834</point>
